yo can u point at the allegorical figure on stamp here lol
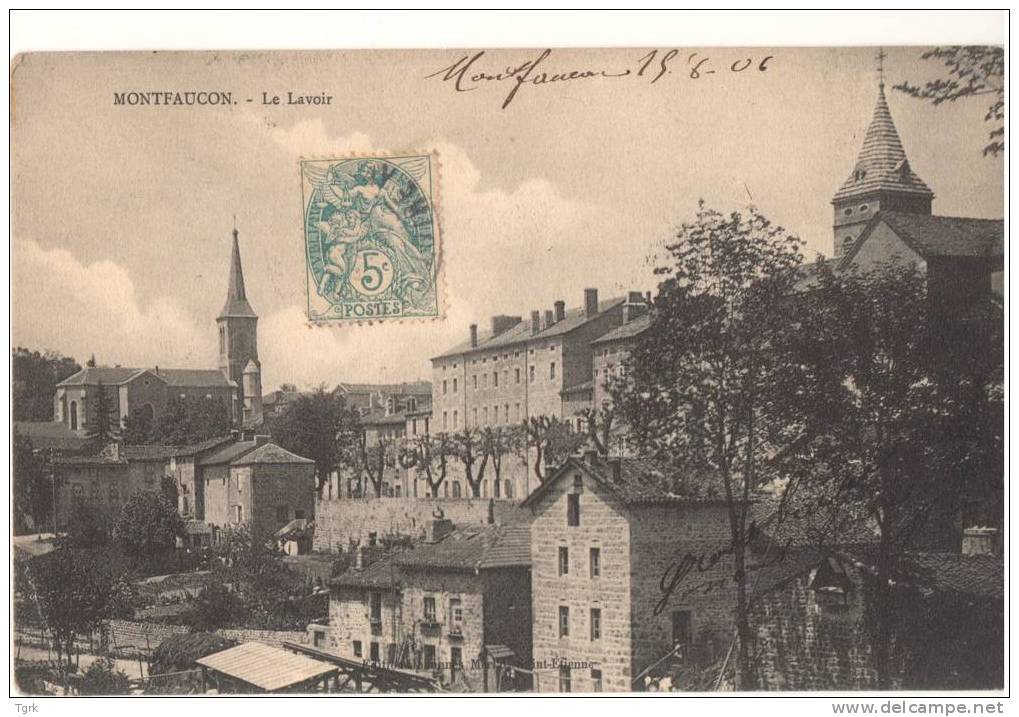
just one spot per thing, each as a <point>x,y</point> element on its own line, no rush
<point>375,233</point>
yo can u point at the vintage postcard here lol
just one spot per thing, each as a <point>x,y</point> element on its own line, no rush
<point>541,370</point>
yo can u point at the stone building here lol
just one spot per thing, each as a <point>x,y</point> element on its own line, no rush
<point>148,391</point>
<point>449,606</point>
<point>257,484</point>
<point>522,369</point>
<point>183,466</point>
<point>604,534</point>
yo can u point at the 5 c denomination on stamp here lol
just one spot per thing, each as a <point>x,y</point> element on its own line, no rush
<point>371,238</point>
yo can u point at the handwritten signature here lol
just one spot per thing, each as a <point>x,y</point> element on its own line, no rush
<point>680,569</point>
<point>466,73</point>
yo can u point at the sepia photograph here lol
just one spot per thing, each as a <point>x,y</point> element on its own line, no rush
<point>510,370</point>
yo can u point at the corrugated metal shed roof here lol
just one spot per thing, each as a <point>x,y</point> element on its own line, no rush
<point>265,667</point>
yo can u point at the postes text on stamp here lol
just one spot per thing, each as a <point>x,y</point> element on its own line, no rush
<point>371,238</point>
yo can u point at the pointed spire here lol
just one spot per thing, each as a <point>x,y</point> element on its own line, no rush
<point>882,164</point>
<point>236,300</point>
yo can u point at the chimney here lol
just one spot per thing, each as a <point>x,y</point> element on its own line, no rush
<point>474,336</point>
<point>979,541</point>
<point>491,511</point>
<point>501,324</point>
<point>548,318</point>
<point>634,297</point>
<point>590,302</point>
<point>439,529</point>
<point>535,322</point>
<point>261,439</point>
<point>560,310</point>
<point>359,558</point>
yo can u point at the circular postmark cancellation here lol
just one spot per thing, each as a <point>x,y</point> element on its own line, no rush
<point>371,238</point>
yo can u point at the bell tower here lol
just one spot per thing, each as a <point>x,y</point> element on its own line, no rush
<point>238,340</point>
<point>881,180</point>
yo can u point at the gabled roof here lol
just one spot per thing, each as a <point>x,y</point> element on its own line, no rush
<point>520,333</point>
<point>178,377</point>
<point>206,445</point>
<point>933,236</point>
<point>94,375</point>
<point>226,454</point>
<point>473,548</point>
<point>882,164</point>
<point>270,453</point>
<point>639,481</point>
<point>630,329</point>
<point>413,388</point>
<point>236,300</point>
<point>143,453</point>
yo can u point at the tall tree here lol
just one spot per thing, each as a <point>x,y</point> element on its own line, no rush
<point>469,449</point>
<point>77,591</point>
<point>552,439</point>
<point>103,428</point>
<point>373,459</point>
<point>970,71</point>
<point>33,487</point>
<point>912,417</point>
<point>34,382</point>
<point>496,443</point>
<point>703,391</point>
<point>148,526</point>
<point>320,426</point>
<point>431,456</point>
<point>185,421</point>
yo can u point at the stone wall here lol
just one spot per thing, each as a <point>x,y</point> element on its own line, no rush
<point>337,522</point>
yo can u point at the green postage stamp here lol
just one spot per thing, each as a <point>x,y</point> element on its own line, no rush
<point>371,238</point>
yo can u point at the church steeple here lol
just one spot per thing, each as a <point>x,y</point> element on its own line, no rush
<point>236,300</point>
<point>882,178</point>
<point>238,342</point>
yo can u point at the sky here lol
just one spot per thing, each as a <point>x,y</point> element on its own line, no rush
<point>121,216</point>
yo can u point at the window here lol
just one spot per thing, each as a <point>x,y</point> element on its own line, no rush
<point>551,371</point>
<point>516,373</point>
<point>74,415</point>
<point>456,661</point>
<point>682,627</point>
<point>475,415</point>
<point>564,621</point>
<point>485,413</point>
<point>864,207</point>
<point>375,652</point>
<point>456,489</point>
<point>376,607</point>
<point>484,380</point>
<point>495,379</point>
<point>564,678</point>
<point>299,514</point>
<point>238,513</point>
<point>505,413</point>
<point>456,615</point>
<point>430,609</point>
<point>573,510</point>
<point>507,489</point>
<point>454,385</point>
<point>516,411</point>
<point>595,680</point>
<point>429,657</point>
<point>456,419</point>
<point>848,211</point>
<point>505,375</point>
<point>357,648</point>
<point>281,513</point>
<point>564,560</point>
<point>595,562</point>
<point>444,387</point>
<point>445,422</point>
<point>475,377</point>
<point>531,374</point>
<point>595,623</point>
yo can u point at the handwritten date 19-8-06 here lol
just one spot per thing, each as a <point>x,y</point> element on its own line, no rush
<point>468,72</point>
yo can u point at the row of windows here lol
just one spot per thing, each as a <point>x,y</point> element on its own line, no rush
<point>495,378</point>
<point>594,623</point>
<point>505,357</point>
<point>428,655</point>
<point>566,681</point>
<point>593,563</point>
<point>848,211</point>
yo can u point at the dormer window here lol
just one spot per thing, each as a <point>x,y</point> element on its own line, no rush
<point>859,175</point>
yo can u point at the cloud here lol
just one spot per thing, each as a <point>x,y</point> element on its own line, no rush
<point>94,308</point>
